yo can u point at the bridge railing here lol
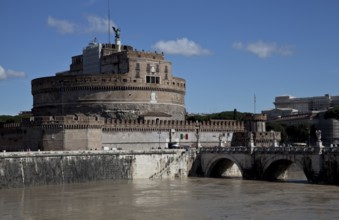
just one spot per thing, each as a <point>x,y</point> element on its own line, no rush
<point>267,150</point>
<point>237,149</point>
<point>330,150</point>
<point>290,149</point>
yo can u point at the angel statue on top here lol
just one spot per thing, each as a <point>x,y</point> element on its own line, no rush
<point>117,32</point>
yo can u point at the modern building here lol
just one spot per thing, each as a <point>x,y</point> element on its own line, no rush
<point>307,111</point>
<point>306,104</point>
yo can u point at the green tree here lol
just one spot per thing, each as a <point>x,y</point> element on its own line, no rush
<point>10,119</point>
<point>225,115</point>
<point>333,113</point>
<point>298,133</point>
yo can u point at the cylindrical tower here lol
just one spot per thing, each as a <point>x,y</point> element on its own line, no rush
<point>127,84</point>
<point>107,95</point>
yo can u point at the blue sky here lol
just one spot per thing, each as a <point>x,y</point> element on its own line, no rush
<point>226,50</point>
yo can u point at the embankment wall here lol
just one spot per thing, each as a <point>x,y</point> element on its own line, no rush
<point>40,168</point>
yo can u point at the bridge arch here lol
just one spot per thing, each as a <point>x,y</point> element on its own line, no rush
<point>276,167</point>
<point>220,164</point>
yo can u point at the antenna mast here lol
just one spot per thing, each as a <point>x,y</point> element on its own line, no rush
<point>109,22</point>
<point>255,103</point>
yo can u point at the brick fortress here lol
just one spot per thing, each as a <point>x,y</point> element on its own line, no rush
<point>116,97</point>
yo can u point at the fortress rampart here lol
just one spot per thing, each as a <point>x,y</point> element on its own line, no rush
<point>80,132</point>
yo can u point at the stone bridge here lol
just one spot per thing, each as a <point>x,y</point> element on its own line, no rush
<point>319,164</point>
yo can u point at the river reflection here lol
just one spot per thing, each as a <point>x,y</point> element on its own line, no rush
<point>191,198</point>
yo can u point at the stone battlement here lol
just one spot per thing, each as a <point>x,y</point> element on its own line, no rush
<point>154,125</point>
<point>84,122</point>
<point>10,125</point>
<point>146,55</point>
<point>138,125</point>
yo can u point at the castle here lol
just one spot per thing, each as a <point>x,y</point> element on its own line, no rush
<point>115,97</point>
<point>112,81</point>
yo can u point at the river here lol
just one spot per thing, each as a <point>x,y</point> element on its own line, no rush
<point>191,198</point>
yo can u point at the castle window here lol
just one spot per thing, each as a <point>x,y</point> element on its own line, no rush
<point>148,68</point>
<point>137,67</point>
<point>157,68</point>
<point>153,79</point>
<point>137,70</point>
<point>166,69</point>
<point>166,76</point>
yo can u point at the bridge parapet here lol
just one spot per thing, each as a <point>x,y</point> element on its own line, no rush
<point>239,149</point>
<point>329,150</point>
<point>267,150</point>
<point>286,150</point>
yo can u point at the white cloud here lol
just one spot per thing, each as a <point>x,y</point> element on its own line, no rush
<point>97,24</point>
<point>238,45</point>
<point>181,46</point>
<point>264,50</point>
<point>62,26</point>
<point>94,24</point>
<point>5,74</point>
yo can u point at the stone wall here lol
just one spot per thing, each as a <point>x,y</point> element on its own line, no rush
<point>41,168</point>
<point>14,137</point>
<point>260,139</point>
<point>79,132</point>
<point>133,134</point>
<point>147,140</point>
